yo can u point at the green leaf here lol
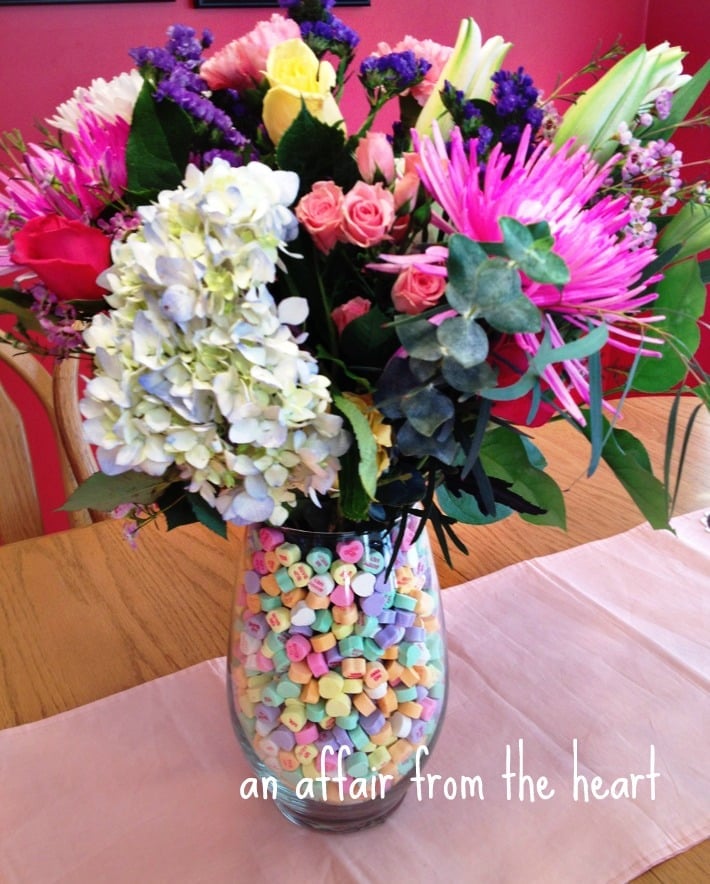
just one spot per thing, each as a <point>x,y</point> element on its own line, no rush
<point>105,493</point>
<point>631,465</point>
<point>681,299</point>
<point>158,146</point>
<point>501,301</point>
<point>465,256</point>
<point>17,304</point>
<point>688,231</point>
<point>354,500</point>
<point>427,409</point>
<point>206,514</point>
<point>464,340</point>
<point>315,151</point>
<point>579,348</point>
<point>365,441</point>
<point>368,340</point>
<point>530,249</point>
<point>505,455</point>
<point>419,339</point>
<point>464,508</point>
<point>467,380</point>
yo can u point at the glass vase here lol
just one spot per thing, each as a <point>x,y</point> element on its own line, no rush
<point>337,670</point>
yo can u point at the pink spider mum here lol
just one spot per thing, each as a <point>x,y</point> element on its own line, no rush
<point>558,186</point>
<point>76,181</point>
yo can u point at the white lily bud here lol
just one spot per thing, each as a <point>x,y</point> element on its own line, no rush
<point>469,69</point>
<point>630,85</point>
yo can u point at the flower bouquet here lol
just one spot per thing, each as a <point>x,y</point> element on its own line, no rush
<point>299,319</point>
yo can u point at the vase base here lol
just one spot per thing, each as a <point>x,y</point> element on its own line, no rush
<point>335,817</point>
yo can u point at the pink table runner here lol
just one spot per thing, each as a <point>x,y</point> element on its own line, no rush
<point>603,648</point>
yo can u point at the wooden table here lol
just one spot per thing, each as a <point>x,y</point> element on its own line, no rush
<point>83,615</point>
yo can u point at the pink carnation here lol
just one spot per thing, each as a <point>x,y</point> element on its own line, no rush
<point>241,63</point>
<point>345,314</point>
<point>436,54</point>
<point>320,212</point>
<point>368,215</point>
<point>415,291</point>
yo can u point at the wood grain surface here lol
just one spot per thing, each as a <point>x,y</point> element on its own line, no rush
<point>83,614</point>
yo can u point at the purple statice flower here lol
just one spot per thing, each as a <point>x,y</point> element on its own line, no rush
<point>178,80</point>
<point>58,320</point>
<point>306,10</point>
<point>330,35</point>
<point>182,49</point>
<point>385,76</point>
<point>515,99</point>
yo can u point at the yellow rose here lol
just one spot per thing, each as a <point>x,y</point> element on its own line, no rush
<point>295,76</point>
<point>381,432</point>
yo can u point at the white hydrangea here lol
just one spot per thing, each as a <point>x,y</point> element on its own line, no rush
<point>197,366</point>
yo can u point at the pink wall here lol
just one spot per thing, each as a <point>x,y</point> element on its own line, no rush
<point>47,51</point>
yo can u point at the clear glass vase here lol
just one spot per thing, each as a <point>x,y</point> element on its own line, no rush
<point>337,674</point>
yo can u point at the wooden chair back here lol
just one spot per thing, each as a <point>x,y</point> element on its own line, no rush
<point>20,506</point>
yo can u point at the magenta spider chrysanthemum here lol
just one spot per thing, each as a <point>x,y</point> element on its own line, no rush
<point>560,187</point>
<point>76,182</point>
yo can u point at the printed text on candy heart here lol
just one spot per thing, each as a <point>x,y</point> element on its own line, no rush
<point>517,782</point>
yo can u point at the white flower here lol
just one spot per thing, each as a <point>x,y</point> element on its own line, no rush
<point>111,101</point>
<point>198,368</point>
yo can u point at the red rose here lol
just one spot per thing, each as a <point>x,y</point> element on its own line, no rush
<point>66,255</point>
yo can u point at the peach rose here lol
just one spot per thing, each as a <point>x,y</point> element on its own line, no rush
<point>407,184</point>
<point>352,309</point>
<point>415,291</point>
<point>368,214</point>
<point>241,64</point>
<point>320,212</point>
<point>374,157</point>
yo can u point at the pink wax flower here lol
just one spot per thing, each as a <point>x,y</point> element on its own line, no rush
<point>368,214</point>
<point>320,212</point>
<point>241,63</point>
<point>375,158</point>
<point>415,291</point>
<point>345,313</point>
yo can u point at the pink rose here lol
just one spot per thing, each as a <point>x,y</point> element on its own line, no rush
<point>368,214</point>
<point>66,255</point>
<point>345,314</point>
<point>436,54</point>
<point>374,157</point>
<point>320,212</point>
<point>241,63</point>
<point>415,291</point>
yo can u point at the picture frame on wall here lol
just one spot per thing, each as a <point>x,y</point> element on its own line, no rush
<point>202,4</point>
<point>69,2</point>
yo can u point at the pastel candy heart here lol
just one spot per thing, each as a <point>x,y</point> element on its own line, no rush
<point>302,614</point>
<point>342,596</point>
<point>350,551</point>
<point>363,584</point>
<point>270,538</point>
